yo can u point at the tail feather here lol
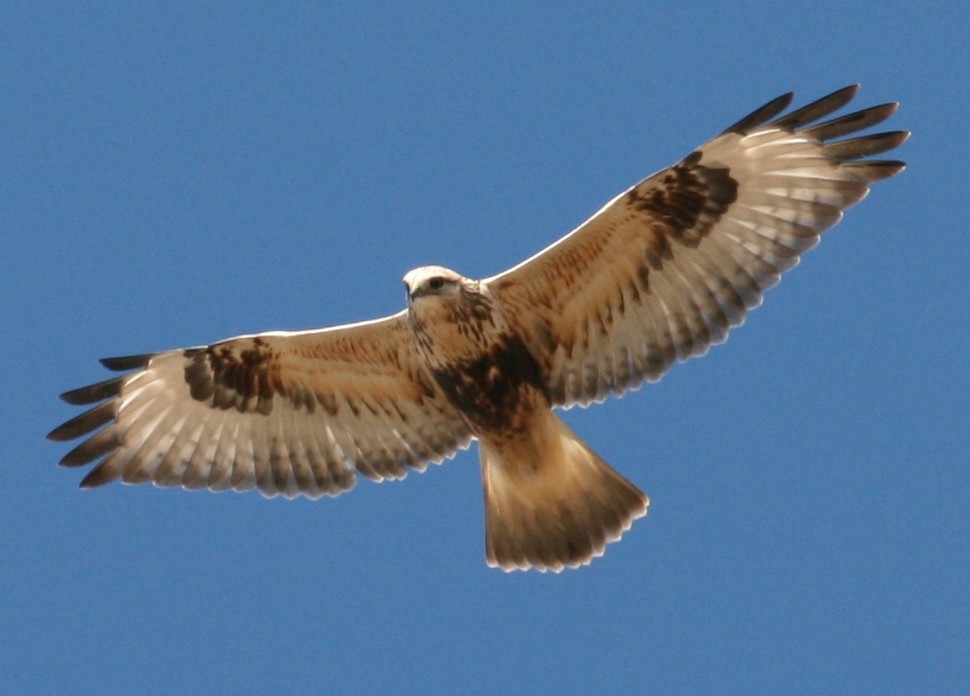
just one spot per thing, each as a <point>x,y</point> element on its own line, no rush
<point>551,502</point>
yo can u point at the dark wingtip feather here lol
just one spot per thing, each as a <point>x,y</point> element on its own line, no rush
<point>844,150</point>
<point>97,445</point>
<point>761,115</point>
<point>850,123</point>
<point>94,392</point>
<point>98,476</point>
<point>876,170</point>
<point>83,424</point>
<point>817,109</point>
<point>127,362</point>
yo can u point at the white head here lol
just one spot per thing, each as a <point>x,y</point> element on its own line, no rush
<point>432,281</point>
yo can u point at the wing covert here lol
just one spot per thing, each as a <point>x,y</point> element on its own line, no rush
<point>667,268</point>
<point>288,412</point>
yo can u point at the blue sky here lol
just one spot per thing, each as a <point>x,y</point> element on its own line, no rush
<point>172,176</point>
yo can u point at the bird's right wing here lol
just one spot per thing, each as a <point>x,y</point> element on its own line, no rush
<point>288,412</point>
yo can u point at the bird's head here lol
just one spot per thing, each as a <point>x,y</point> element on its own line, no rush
<point>432,281</point>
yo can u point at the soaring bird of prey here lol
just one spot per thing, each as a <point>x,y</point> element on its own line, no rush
<point>662,272</point>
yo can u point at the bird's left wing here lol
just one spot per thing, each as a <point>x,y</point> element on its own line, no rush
<point>288,412</point>
<point>666,268</point>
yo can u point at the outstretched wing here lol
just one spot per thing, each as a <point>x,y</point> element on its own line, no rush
<point>292,413</point>
<point>666,268</point>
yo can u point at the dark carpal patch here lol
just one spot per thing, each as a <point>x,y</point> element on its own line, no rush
<point>681,207</point>
<point>232,377</point>
<point>489,389</point>
<point>688,199</point>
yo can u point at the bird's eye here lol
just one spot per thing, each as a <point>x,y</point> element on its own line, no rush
<point>436,283</point>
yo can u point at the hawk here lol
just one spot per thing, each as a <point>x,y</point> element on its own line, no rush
<point>658,275</point>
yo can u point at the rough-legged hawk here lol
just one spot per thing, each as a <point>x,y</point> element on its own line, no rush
<point>659,274</point>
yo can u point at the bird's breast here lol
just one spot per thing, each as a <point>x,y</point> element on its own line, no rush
<point>497,390</point>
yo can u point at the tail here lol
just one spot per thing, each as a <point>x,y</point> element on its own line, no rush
<point>550,502</point>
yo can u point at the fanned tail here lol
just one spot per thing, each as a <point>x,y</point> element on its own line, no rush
<point>551,502</point>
